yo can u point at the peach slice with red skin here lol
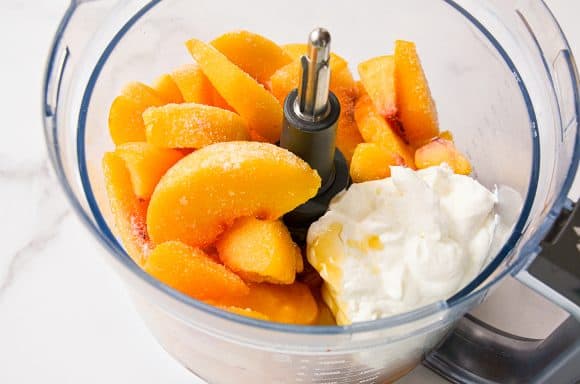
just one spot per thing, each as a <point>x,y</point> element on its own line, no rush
<point>146,165</point>
<point>191,125</point>
<point>205,192</point>
<point>260,251</point>
<point>416,108</point>
<point>375,129</point>
<point>258,107</point>
<point>192,272</point>
<point>378,78</point>
<point>256,55</point>
<point>441,151</point>
<point>128,212</point>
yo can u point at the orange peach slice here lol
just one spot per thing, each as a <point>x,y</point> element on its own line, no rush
<point>251,100</point>
<point>415,105</point>
<point>372,162</point>
<point>193,84</point>
<point>168,90</point>
<point>141,94</point>
<point>196,88</point>
<point>259,251</point>
<point>128,212</point>
<point>191,125</point>
<point>342,85</point>
<point>296,51</point>
<point>146,164</point>
<point>378,78</point>
<point>203,194</point>
<point>192,272</point>
<point>441,151</point>
<point>218,101</point>
<point>291,304</point>
<point>256,55</point>
<point>347,136</point>
<point>286,79</point>
<point>125,121</point>
<point>375,129</point>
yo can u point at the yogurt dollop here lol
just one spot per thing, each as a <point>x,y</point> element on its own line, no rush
<point>389,246</point>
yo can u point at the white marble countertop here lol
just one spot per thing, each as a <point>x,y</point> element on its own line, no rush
<point>64,315</point>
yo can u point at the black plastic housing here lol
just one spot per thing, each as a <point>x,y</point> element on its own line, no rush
<point>315,143</point>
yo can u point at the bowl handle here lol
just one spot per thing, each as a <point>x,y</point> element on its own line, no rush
<point>476,352</point>
<point>67,47</point>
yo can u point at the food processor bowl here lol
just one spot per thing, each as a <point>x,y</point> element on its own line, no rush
<point>505,83</point>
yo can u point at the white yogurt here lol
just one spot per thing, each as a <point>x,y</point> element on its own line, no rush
<point>390,246</point>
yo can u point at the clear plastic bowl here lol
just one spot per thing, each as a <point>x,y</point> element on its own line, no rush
<point>505,84</point>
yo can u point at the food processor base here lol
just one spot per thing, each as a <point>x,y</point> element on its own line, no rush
<point>477,352</point>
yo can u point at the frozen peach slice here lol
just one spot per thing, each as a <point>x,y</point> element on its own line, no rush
<point>296,51</point>
<point>286,79</point>
<point>244,312</point>
<point>378,78</point>
<point>441,151</point>
<point>342,85</point>
<point>347,136</point>
<point>203,194</point>
<point>128,212</point>
<point>291,304</point>
<point>142,94</point>
<point>146,164</point>
<point>125,121</point>
<point>372,162</point>
<point>191,125</point>
<point>218,101</point>
<point>168,90</point>
<point>375,129</point>
<point>196,88</point>
<point>250,99</point>
<point>257,56</point>
<point>193,84</point>
<point>415,105</point>
<point>259,251</point>
<point>256,137</point>
<point>192,272</point>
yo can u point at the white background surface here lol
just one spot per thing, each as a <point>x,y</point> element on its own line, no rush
<point>64,315</point>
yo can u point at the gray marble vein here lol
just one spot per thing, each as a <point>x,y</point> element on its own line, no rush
<point>28,252</point>
<point>33,186</point>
